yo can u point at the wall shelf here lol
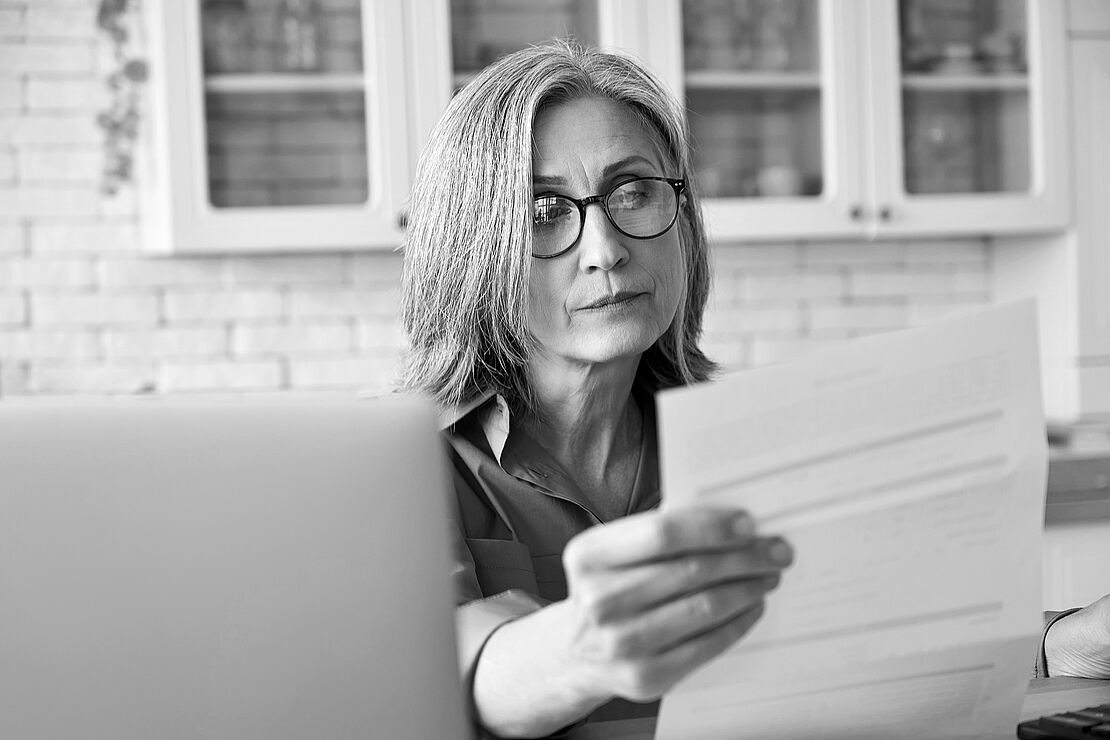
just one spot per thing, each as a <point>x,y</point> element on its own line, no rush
<point>966,83</point>
<point>729,80</point>
<point>283,83</point>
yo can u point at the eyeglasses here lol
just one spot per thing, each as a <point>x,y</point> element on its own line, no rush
<point>643,208</point>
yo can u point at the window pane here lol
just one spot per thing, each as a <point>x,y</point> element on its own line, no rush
<point>966,142</point>
<point>284,102</point>
<point>483,30</point>
<point>757,144</point>
<point>753,93</point>
<point>750,34</point>
<point>965,96</point>
<point>286,149</point>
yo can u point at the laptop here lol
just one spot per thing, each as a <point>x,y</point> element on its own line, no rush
<point>240,570</point>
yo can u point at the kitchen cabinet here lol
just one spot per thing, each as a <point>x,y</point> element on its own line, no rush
<point>811,118</point>
<point>259,145</point>
<point>836,118</point>
<point>282,125</point>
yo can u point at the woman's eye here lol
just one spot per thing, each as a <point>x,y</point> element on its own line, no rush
<point>547,211</point>
<point>628,198</point>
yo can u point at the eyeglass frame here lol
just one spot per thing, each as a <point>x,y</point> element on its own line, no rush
<point>679,185</point>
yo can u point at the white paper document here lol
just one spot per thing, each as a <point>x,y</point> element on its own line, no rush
<point>908,472</point>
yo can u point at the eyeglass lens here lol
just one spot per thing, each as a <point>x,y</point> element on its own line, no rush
<point>639,208</point>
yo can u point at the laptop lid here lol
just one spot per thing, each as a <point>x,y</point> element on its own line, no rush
<point>239,570</point>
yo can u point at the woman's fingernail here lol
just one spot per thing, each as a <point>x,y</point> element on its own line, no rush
<point>780,552</point>
<point>743,526</point>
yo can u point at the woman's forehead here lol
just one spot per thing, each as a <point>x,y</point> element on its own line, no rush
<point>591,132</point>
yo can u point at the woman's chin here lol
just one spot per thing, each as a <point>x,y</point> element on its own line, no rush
<point>615,346</point>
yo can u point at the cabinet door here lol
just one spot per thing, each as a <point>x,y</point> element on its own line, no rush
<point>278,125</point>
<point>483,30</point>
<point>773,100</point>
<point>452,40</point>
<point>968,101</point>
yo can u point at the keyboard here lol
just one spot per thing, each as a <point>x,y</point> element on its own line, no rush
<point>1081,724</point>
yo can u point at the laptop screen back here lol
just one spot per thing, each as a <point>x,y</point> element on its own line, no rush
<point>242,571</point>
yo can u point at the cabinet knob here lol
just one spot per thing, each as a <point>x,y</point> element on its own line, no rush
<point>856,212</point>
<point>885,213</point>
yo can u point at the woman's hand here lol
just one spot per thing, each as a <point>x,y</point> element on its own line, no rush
<point>650,598</point>
<point>653,596</point>
<point>1079,644</point>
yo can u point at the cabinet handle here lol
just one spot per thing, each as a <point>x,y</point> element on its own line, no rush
<point>402,220</point>
<point>856,212</point>
<point>885,213</point>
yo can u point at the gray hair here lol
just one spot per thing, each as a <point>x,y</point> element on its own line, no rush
<point>468,247</point>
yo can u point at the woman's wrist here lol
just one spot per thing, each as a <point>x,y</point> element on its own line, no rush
<point>527,685</point>
<point>1075,645</point>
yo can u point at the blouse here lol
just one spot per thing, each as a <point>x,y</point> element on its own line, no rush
<point>515,510</point>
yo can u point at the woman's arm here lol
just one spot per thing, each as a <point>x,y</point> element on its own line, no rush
<point>650,598</point>
<point>1079,643</point>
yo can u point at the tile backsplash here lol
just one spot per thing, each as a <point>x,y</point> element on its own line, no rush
<point>83,310</point>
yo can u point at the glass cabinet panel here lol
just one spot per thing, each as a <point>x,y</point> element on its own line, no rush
<point>753,92</point>
<point>483,30</point>
<point>284,100</point>
<point>965,96</point>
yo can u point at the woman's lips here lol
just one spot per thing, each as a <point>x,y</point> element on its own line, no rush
<point>612,300</point>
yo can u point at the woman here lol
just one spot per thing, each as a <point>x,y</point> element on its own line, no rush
<point>556,274</point>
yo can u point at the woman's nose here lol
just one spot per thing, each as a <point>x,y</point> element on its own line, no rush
<point>601,246</point>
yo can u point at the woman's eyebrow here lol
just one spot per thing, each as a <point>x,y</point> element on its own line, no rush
<point>548,180</point>
<point>610,169</point>
<point>615,167</point>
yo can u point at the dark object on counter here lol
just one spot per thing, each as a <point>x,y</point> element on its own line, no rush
<point>1082,724</point>
<point>1078,488</point>
<point>1078,472</point>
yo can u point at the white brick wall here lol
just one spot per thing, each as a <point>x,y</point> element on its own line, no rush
<point>50,344</point>
<point>286,270</point>
<point>11,20</point>
<point>370,374</point>
<point>133,270</point>
<point>74,375</point>
<point>8,168</point>
<point>96,236</point>
<point>94,308</point>
<point>303,339</point>
<point>66,93</point>
<point>176,342</point>
<point>13,308</point>
<point>84,311</point>
<point>65,166</point>
<point>223,305</point>
<point>65,127</point>
<point>774,302</point>
<point>29,272</point>
<point>42,56</point>
<point>13,239</point>
<point>33,202</point>
<point>48,22</point>
<point>218,375</point>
